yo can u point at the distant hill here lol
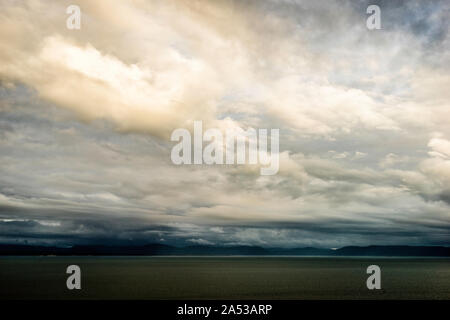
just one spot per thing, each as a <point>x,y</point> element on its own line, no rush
<point>394,251</point>
<point>160,249</point>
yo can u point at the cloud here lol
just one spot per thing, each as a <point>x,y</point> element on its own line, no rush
<point>440,148</point>
<point>202,242</point>
<point>86,116</point>
<point>393,159</point>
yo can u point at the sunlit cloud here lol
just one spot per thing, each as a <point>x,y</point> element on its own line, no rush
<point>86,117</point>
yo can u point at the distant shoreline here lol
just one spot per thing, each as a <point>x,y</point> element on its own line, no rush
<point>244,251</point>
<point>225,256</point>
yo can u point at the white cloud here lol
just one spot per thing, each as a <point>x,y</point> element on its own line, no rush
<point>86,117</point>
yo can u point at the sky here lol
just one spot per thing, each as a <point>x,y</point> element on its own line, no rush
<point>363,116</point>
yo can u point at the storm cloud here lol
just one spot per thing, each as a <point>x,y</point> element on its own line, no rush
<point>86,117</point>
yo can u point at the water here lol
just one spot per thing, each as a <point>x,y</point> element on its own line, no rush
<point>224,278</point>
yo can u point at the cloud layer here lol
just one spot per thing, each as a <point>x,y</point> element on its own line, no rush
<point>86,116</point>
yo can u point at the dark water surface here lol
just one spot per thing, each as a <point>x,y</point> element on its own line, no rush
<point>224,278</point>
